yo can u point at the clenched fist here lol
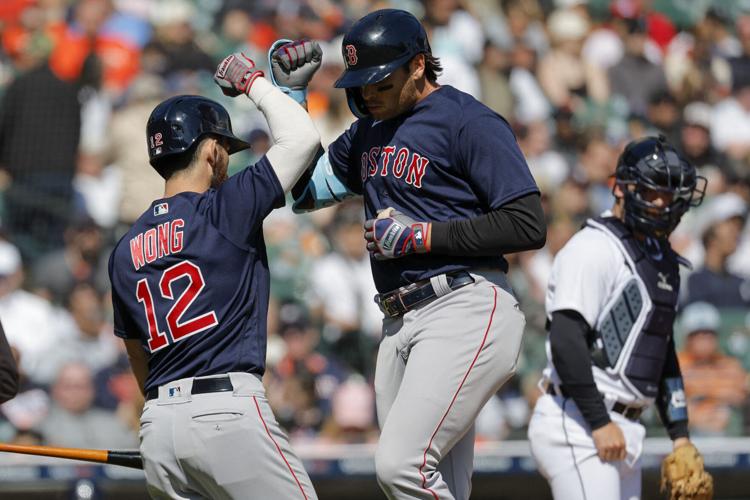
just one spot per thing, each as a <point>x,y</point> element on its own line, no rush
<point>293,64</point>
<point>236,74</point>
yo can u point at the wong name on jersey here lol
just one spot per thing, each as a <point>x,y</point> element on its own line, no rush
<point>157,242</point>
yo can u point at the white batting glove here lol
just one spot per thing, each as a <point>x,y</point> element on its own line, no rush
<point>236,74</point>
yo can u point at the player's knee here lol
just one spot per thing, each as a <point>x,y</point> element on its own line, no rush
<point>391,471</point>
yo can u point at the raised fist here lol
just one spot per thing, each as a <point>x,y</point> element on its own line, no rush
<point>293,64</point>
<point>236,74</point>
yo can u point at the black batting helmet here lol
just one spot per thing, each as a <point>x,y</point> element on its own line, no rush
<point>652,165</point>
<point>178,123</point>
<point>377,45</point>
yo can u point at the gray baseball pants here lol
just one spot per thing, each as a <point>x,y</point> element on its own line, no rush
<point>221,445</point>
<point>437,366</point>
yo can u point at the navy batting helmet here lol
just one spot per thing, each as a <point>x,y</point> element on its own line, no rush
<point>652,165</point>
<point>377,45</point>
<point>178,123</point>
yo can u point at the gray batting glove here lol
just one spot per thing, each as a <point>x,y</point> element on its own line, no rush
<point>294,64</point>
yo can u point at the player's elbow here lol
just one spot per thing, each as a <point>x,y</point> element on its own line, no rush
<point>309,140</point>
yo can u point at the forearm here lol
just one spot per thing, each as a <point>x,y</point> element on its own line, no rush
<point>516,226</point>
<point>570,355</point>
<point>295,138</point>
<point>670,401</point>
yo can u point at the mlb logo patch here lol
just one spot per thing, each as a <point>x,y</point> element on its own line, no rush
<point>174,392</point>
<point>161,209</point>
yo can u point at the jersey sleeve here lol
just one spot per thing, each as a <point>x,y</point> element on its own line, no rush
<point>244,200</point>
<point>124,326</point>
<point>341,157</point>
<point>488,152</point>
<point>583,273</point>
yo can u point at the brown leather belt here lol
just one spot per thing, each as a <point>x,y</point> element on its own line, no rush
<point>399,301</point>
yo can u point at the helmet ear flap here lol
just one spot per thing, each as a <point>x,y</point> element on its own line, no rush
<point>356,102</point>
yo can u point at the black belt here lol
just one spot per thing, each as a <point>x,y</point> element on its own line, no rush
<point>629,412</point>
<point>200,386</point>
<point>397,302</point>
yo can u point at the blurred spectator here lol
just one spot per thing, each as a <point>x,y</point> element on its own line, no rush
<point>722,221</point>
<point>493,78</point>
<point>457,39</point>
<point>716,385</point>
<point>565,77</point>
<point>73,422</point>
<point>83,259</point>
<point>530,102</point>
<point>174,48</point>
<point>303,381</point>
<point>597,160</point>
<point>730,125</point>
<point>140,184</point>
<point>546,165</point>
<point>695,144</point>
<point>352,417</point>
<point>31,323</point>
<point>39,132</point>
<point>88,336</point>
<point>663,113</point>
<point>636,77</point>
<point>342,283</point>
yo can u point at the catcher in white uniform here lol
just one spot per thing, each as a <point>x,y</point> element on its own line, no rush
<point>611,303</point>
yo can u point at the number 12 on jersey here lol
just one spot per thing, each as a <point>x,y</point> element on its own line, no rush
<point>176,327</point>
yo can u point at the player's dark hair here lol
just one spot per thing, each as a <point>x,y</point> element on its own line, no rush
<point>170,165</point>
<point>432,67</point>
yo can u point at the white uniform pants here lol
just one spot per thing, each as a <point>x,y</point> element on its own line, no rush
<point>437,366</point>
<point>565,453</point>
<point>221,445</point>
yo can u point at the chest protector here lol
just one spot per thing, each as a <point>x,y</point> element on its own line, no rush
<point>633,331</point>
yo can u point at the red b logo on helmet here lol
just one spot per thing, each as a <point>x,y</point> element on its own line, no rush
<point>351,55</point>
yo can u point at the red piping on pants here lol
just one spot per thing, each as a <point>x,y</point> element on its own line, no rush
<point>455,395</point>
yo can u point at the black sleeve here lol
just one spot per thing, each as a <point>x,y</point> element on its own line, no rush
<point>674,418</point>
<point>570,354</point>
<point>8,370</point>
<point>516,226</point>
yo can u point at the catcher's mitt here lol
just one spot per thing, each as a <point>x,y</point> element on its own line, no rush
<point>683,476</point>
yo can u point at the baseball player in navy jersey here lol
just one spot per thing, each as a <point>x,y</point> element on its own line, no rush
<point>611,302</point>
<point>190,289</point>
<point>446,193</point>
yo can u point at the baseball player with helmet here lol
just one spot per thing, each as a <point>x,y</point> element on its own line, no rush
<point>446,193</point>
<point>190,289</point>
<point>611,303</point>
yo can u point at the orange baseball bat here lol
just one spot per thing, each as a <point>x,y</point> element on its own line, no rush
<point>127,458</point>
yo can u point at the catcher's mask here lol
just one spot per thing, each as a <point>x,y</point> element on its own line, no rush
<point>177,123</point>
<point>648,166</point>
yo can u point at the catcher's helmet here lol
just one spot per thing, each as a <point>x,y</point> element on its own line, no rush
<point>377,45</point>
<point>176,124</point>
<point>651,164</point>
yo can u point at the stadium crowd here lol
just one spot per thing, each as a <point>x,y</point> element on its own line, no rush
<point>575,79</point>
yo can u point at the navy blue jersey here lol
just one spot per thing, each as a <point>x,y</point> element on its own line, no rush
<point>190,279</point>
<point>450,157</point>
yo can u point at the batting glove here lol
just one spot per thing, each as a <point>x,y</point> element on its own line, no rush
<point>393,235</point>
<point>236,74</point>
<point>293,64</point>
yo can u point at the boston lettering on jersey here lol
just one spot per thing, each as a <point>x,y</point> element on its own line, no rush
<point>402,163</point>
<point>157,242</point>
